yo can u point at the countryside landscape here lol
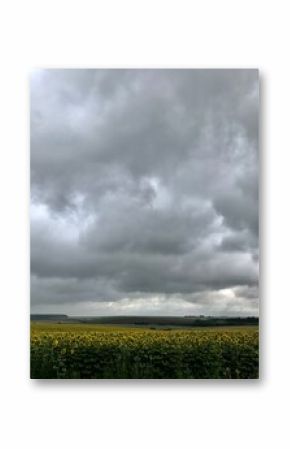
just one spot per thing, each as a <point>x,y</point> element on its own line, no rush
<point>144,224</point>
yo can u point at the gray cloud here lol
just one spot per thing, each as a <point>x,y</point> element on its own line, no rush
<point>144,191</point>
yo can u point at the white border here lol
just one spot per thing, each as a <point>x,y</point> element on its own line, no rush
<point>144,34</point>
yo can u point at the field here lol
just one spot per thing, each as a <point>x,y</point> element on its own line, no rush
<point>94,351</point>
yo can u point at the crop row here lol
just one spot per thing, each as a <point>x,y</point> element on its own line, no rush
<point>145,355</point>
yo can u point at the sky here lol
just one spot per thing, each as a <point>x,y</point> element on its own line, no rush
<point>144,192</point>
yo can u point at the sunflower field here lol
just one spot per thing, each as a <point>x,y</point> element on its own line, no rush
<point>67,351</point>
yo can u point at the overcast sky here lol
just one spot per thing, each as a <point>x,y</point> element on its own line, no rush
<point>144,192</point>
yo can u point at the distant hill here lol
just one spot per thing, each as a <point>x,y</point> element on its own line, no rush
<point>48,317</point>
<point>188,321</point>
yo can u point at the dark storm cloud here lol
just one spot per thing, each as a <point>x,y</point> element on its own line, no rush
<point>144,188</point>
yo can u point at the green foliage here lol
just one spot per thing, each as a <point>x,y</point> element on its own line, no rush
<point>96,352</point>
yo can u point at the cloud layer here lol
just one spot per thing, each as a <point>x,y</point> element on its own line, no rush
<point>144,191</point>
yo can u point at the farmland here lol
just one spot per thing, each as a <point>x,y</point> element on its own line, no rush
<point>95,351</point>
